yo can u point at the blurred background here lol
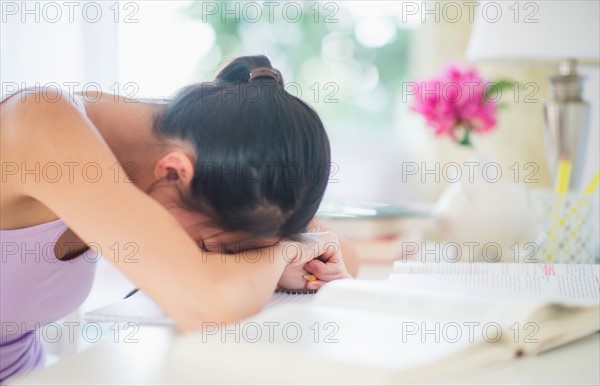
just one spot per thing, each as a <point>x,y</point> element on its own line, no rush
<point>350,60</point>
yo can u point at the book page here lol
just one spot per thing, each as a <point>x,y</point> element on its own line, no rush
<point>542,311</point>
<point>429,296</point>
<point>344,346</point>
<point>463,268</point>
<point>571,288</point>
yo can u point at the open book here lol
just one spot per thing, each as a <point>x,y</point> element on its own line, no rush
<point>413,328</point>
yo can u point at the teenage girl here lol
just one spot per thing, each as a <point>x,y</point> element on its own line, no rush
<point>203,201</point>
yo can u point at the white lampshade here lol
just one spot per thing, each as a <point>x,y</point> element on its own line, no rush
<point>539,30</point>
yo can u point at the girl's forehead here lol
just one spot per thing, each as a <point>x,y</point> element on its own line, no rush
<point>217,240</point>
<point>235,242</point>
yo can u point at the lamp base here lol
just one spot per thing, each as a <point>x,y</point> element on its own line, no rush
<point>566,117</point>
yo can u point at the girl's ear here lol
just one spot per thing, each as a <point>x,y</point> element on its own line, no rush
<point>175,166</point>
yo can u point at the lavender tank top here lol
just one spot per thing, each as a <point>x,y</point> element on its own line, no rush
<point>36,289</point>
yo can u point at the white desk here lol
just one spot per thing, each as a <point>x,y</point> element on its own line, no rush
<point>143,362</point>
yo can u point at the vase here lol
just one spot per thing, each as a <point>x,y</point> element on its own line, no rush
<point>483,215</point>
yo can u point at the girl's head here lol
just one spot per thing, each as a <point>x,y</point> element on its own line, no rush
<point>260,156</point>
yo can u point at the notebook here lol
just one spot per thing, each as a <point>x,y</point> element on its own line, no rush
<point>141,309</point>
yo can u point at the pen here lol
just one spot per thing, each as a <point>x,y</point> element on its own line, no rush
<point>131,293</point>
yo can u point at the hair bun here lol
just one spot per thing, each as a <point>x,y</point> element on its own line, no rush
<point>265,72</point>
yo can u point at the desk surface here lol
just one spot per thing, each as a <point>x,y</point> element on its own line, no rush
<point>123,361</point>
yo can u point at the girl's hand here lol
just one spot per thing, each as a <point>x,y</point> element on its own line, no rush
<point>312,264</point>
<point>321,272</point>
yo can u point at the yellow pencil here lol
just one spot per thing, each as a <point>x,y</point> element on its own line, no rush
<point>310,277</point>
<point>591,187</point>
<point>563,176</point>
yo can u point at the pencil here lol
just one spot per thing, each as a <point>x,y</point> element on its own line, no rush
<point>591,187</point>
<point>563,176</point>
<point>310,277</point>
<point>131,293</point>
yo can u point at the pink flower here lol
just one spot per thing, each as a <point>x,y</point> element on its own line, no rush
<point>455,98</point>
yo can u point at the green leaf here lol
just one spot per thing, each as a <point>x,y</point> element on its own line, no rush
<point>466,139</point>
<point>492,90</point>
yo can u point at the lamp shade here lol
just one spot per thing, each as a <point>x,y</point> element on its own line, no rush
<point>540,30</point>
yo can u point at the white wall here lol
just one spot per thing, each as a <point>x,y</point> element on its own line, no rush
<point>71,52</point>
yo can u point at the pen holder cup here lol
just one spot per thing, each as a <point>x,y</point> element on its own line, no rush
<point>567,227</point>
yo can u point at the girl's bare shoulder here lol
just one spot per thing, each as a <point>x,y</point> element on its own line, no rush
<point>34,122</point>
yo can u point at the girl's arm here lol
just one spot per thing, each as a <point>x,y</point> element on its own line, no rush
<point>191,287</point>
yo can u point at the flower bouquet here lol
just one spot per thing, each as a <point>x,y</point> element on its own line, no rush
<point>459,103</point>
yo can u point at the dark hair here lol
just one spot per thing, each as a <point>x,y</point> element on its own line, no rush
<point>262,154</point>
